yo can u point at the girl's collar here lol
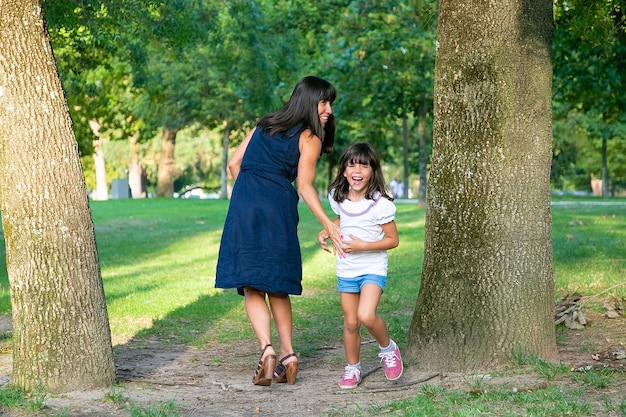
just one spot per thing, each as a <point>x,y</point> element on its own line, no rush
<point>373,201</point>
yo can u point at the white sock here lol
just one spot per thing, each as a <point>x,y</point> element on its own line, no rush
<point>356,365</point>
<point>392,346</point>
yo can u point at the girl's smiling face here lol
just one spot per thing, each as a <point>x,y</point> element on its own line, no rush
<point>358,176</point>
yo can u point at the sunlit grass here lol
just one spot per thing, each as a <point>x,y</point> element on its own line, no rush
<point>589,243</point>
<point>158,260</point>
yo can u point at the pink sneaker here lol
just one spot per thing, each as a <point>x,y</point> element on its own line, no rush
<point>351,378</point>
<point>392,363</point>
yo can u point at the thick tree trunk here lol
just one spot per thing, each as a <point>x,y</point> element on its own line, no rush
<point>101,192</point>
<point>487,287</point>
<point>165,177</point>
<point>61,336</point>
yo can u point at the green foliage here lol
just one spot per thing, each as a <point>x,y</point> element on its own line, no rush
<point>589,46</point>
<point>589,54</point>
<point>136,65</point>
<point>197,159</point>
<point>572,158</point>
<point>383,64</point>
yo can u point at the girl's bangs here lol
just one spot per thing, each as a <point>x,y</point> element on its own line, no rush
<point>361,159</point>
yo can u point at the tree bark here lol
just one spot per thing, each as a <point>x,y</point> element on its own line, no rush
<point>487,286</point>
<point>61,336</point>
<point>165,177</point>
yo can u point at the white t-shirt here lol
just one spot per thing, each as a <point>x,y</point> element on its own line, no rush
<point>363,219</point>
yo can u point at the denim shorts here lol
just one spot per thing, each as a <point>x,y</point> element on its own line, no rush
<point>355,284</point>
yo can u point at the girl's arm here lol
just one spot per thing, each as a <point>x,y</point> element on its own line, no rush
<point>390,240</point>
<point>234,163</point>
<point>310,148</point>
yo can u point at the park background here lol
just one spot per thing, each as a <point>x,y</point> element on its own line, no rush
<point>144,78</point>
<point>161,92</point>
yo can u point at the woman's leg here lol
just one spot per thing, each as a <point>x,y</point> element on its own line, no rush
<point>368,303</point>
<point>351,326</point>
<point>259,316</point>
<point>282,313</point>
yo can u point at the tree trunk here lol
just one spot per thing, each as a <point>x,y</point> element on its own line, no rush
<point>224,167</point>
<point>165,177</point>
<point>487,287</point>
<point>423,154</point>
<point>135,171</point>
<point>61,336</point>
<point>101,193</point>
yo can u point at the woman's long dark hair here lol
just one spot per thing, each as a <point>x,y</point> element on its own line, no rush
<point>301,109</point>
<point>359,153</point>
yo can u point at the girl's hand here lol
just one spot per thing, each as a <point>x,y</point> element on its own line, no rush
<point>322,237</point>
<point>352,244</point>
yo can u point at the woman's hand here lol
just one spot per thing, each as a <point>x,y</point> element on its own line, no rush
<point>324,235</point>
<point>334,234</point>
<point>321,239</point>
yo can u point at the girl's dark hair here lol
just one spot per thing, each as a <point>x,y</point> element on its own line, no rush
<point>301,109</point>
<point>360,153</point>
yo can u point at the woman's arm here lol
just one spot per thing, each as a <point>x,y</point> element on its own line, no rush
<point>234,163</point>
<point>310,148</point>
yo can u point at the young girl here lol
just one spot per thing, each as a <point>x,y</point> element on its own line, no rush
<point>366,218</point>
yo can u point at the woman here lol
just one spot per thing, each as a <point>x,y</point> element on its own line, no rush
<point>260,252</point>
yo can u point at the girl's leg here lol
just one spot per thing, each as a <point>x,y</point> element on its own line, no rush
<point>351,326</point>
<point>282,313</point>
<point>370,296</point>
<point>259,316</point>
<point>389,352</point>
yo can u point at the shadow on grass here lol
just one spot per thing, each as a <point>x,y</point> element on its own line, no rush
<point>220,317</point>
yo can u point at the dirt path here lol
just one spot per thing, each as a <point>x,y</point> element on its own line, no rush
<point>216,381</point>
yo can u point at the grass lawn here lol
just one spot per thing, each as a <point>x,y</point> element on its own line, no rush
<point>158,261</point>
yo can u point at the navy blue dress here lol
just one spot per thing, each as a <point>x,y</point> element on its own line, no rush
<point>260,246</point>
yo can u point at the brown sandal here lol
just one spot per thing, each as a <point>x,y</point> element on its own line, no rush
<point>286,373</point>
<point>263,374</point>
